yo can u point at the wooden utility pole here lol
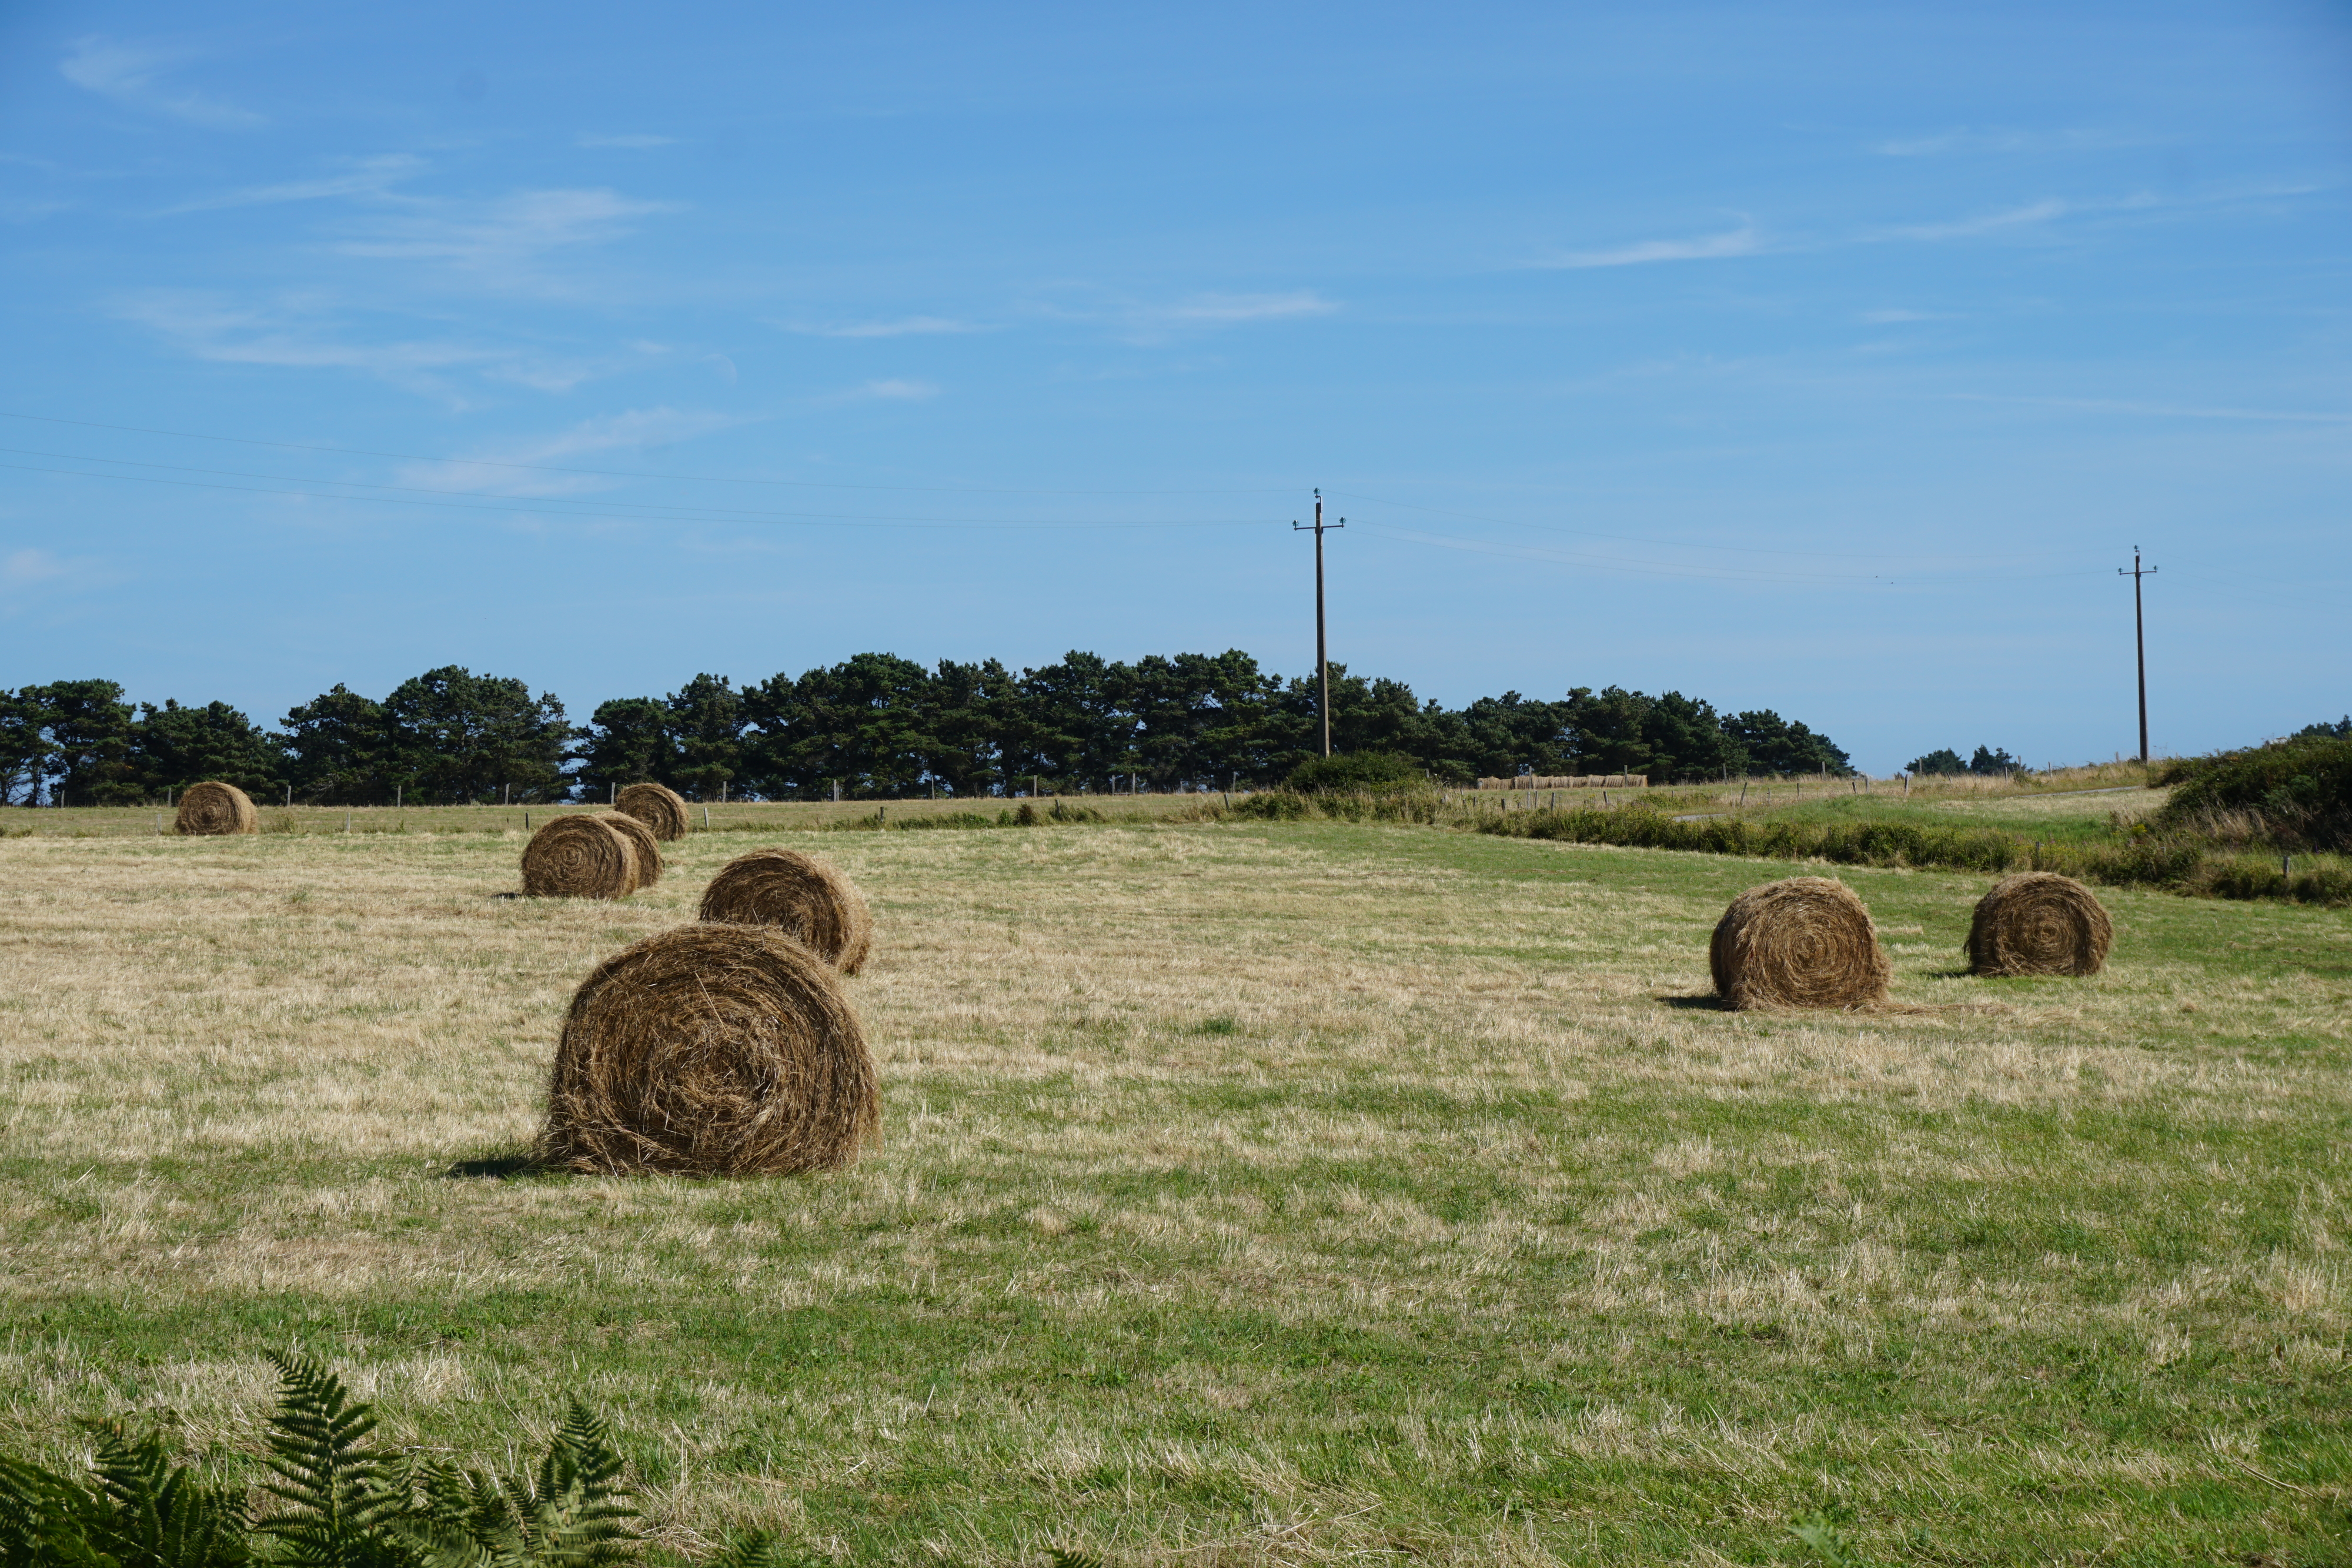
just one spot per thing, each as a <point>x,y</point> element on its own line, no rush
<point>1322,654</point>
<point>2139,643</point>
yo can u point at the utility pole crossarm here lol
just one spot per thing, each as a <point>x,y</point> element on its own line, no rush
<point>1322,658</point>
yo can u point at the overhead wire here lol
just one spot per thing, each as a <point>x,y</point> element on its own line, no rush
<point>641,511</point>
<point>530,508</point>
<point>620,473</point>
<point>587,508</point>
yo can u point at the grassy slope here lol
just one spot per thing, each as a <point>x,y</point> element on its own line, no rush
<point>1282,1192</point>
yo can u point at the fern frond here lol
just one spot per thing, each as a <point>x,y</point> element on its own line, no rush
<point>153,1514</point>
<point>45,1520</point>
<point>756,1550</point>
<point>340,1495</point>
<point>575,1510</point>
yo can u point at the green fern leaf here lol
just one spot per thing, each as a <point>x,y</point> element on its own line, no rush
<point>342,1505</point>
<point>45,1520</point>
<point>153,1514</point>
<point>575,1509</point>
<point>757,1550</point>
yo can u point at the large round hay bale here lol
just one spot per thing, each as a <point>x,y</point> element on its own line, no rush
<point>806,899</point>
<point>710,1050</point>
<point>641,840</point>
<point>579,857</point>
<point>657,806</point>
<point>1806,942</point>
<point>2039,922</point>
<point>206,810</point>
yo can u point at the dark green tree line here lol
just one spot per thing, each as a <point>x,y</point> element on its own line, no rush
<point>874,726</point>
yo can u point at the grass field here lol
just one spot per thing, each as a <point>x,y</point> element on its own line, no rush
<point>1252,1194</point>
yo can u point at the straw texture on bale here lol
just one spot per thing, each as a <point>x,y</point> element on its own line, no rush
<point>712,1050</point>
<point>2039,922</point>
<point>641,840</point>
<point>806,899</point>
<point>657,806</point>
<point>579,857</point>
<point>1806,942</point>
<point>209,809</point>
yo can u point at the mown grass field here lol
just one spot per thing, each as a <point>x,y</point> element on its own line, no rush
<point>1252,1194</point>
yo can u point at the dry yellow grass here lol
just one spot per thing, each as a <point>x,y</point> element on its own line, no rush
<point>1368,1087</point>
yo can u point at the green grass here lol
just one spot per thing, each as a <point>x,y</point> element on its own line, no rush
<point>1280,1193</point>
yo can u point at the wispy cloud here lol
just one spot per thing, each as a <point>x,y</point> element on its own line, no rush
<point>633,141</point>
<point>1964,139</point>
<point>25,567</point>
<point>516,469</point>
<point>1742,241</point>
<point>2039,212</point>
<point>2163,411</point>
<point>364,177</point>
<point>1230,309</point>
<point>897,391</point>
<point>498,242</point>
<point>904,327</point>
<point>310,334</point>
<point>132,75</point>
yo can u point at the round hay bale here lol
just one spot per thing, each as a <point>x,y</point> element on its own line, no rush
<point>2039,922</point>
<point>579,857</point>
<point>641,840</point>
<point>1804,943</point>
<point>657,806</point>
<point>806,899</point>
<point>209,809</point>
<point>712,1050</point>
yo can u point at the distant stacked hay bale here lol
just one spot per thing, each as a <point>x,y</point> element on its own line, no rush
<point>1807,942</point>
<point>711,1050</point>
<point>210,809</point>
<point>802,896</point>
<point>2039,922</point>
<point>1532,781</point>
<point>641,840</point>
<point>657,806</point>
<point>580,857</point>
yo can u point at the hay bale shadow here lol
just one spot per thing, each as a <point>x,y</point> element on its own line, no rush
<point>497,1167</point>
<point>1706,1001</point>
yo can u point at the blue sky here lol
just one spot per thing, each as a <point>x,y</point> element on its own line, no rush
<point>1824,357</point>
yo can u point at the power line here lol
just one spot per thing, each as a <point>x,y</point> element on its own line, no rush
<point>615,473</point>
<point>535,509</point>
<point>1619,538</point>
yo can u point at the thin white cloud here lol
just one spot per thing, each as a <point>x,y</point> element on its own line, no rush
<point>1228,309</point>
<point>213,330</point>
<point>306,334</point>
<point>900,391</point>
<point>2039,212</point>
<point>25,567</point>
<point>2163,411</point>
<point>1141,322</point>
<point>904,327</point>
<point>511,470</point>
<point>1742,241</point>
<point>1963,139</point>
<point>132,75</point>
<point>366,177</point>
<point>591,139</point>
<point>498,242</point>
